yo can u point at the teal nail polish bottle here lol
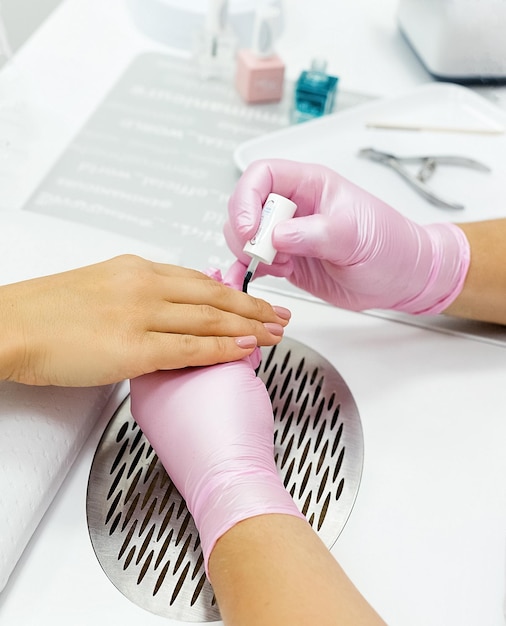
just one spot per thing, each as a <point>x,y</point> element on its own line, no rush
<point>315,93</point>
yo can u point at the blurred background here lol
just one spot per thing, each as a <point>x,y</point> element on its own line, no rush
<point>22,17</point>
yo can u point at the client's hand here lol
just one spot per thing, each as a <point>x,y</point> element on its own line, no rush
<point>125,317</point>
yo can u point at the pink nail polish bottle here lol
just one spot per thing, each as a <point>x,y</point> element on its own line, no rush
<point>260,71</point>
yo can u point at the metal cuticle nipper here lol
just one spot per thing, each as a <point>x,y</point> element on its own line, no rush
<point>427,169</point>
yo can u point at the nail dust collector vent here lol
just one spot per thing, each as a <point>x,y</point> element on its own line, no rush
<point>141,531</point>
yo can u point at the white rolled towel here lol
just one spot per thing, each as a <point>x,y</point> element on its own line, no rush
<point>42,429</point>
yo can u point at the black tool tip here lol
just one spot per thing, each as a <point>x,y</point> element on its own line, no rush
<point>247,278</point>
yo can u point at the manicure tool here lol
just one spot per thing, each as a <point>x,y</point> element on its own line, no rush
<point>428,167</point>
<point>276,209</point>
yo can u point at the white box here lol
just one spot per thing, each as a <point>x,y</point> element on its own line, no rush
<point>457,40</point>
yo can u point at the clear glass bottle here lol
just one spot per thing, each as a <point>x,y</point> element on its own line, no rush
<point>216,45</point>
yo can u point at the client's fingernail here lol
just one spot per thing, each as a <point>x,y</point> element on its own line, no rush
<point>274,329</point>
<point>283,313</point>
<point>246,342</point>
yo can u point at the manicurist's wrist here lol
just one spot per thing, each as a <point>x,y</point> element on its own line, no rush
<point>450,257</point>
<point>451,263</point>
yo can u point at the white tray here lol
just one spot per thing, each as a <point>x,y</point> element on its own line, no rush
<point>335,140</point>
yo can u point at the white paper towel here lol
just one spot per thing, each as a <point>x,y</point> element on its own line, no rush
<point>42,429</point>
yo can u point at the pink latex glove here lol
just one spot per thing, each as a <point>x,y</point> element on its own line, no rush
<point>213,430</point>
<point>345,245</point>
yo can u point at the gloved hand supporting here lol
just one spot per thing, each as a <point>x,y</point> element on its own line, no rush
<point>213,430</point>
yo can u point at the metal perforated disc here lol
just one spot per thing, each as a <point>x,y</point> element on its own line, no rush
<point>142,533</point>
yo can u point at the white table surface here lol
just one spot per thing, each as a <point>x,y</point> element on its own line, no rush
<point>426,540</point>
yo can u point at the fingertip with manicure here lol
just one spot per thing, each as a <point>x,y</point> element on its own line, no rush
<point>246,343</point>
<point>282,312</point>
